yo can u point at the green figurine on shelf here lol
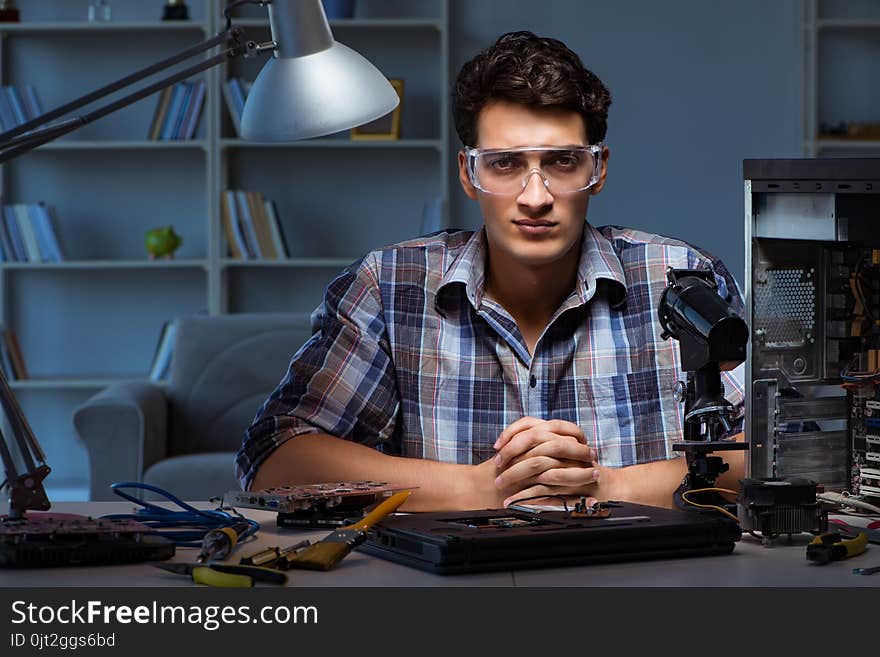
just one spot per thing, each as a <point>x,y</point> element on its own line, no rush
<point>162,242</point>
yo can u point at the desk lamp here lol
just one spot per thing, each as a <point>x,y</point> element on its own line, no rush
<point>311,86</point>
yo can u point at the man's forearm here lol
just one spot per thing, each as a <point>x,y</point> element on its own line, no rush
<point>647,483</point>
<point>654,483</point>
<point>314,457</point>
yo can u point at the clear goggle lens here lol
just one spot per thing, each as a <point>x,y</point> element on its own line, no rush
<point>508,171</point>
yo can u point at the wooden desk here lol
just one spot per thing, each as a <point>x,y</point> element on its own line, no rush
<point>750,565</point>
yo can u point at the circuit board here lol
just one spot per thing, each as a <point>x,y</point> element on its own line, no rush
<point>311,497</point>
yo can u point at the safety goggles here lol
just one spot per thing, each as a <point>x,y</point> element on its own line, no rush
<point>564,170</point>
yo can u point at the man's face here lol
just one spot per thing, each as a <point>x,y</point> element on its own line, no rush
<point>534,227</point>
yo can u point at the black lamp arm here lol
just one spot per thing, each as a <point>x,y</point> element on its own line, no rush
<point>114,86</point>
<point>18,145</point>
<point>25,488</point>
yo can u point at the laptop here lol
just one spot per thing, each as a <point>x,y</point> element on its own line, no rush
<point>505,539</point>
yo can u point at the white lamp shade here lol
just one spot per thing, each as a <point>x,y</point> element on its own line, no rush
<point>318,94</point>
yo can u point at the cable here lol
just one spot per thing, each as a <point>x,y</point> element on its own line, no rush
<point>854,503</point>
<point>197,521</point>
<point>710,506</point>
<point>542,497</point>
<point>715,507</point>
<point>858,377</point>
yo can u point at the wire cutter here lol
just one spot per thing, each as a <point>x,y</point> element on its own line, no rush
<point>225,575</point>
<point>831,546</point>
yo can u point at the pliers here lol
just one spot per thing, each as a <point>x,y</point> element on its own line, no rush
<point>831,546</point>
<point>225,575</point>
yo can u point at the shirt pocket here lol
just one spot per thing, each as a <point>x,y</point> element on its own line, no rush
<point>632,417</point>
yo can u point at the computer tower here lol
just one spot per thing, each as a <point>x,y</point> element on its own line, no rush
<point>813,305</point>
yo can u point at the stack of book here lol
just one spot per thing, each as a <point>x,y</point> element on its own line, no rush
<point>17,107</point>
<point>252,227</point>
<point>235,91</point>
<point>27,234</point>
<point>178,111</point>
<point>11,358</point>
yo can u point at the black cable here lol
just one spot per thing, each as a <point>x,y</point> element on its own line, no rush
<point>543,497</point>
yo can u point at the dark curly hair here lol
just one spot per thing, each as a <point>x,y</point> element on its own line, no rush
<point>529,70</point>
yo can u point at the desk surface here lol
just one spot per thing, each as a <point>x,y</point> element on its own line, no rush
<point>750,564</point>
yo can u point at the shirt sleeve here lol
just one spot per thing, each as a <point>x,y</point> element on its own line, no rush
<point>341,381</point>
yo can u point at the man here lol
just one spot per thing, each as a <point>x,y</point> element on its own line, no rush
<point>521,360</point>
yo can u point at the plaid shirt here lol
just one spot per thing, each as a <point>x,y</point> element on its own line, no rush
<point>409,357</point>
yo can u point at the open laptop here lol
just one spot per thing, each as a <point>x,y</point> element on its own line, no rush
<point>505,539</point>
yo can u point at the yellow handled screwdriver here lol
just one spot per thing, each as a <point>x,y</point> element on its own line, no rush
<point>219,543</point>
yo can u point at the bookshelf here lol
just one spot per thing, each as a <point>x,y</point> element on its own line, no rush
<point>841,54</point>
<point>94,319</point>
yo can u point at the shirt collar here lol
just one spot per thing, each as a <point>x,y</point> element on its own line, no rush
<point>468,268</point>
<point>598,261</point>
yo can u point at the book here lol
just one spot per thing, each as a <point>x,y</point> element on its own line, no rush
<point>160,113</point>
<point>174,105</point>
<point>17,105</point>
<point>194,112</point>
<point>32,106</point>
<point>6,361</point>
<point>11,225</point>
<point>39,231</point>
<point>5,242</point>
<point>246,221</point>
<point>43,216</point>
<point>50,219</point>
<point>161,364</point>
<point>235,91</point>
<point>26,230</point>
<point>229,215</point>
<point>230,107</point>
<point>15,355</point>
<point>261,225</point>
<point>182,110</point>
<point>277,231</point>
<point>156,351</point>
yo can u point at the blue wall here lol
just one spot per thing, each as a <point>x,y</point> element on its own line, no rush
<point>697,87</point>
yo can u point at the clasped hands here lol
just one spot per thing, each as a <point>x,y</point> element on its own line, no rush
<point>544,457</point>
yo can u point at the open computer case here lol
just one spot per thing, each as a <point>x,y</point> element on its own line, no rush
<point>813,303</point>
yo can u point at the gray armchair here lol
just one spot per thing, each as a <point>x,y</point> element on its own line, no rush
<point>182,437</point>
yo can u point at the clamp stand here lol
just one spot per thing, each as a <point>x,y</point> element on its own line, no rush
<point>707,415</point>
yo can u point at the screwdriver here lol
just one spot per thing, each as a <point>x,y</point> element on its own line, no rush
<point>218,543</point>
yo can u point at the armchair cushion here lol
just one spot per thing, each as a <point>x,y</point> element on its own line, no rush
<point>183,438</point>
<point>194,476</point>
<point>223,369</point>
